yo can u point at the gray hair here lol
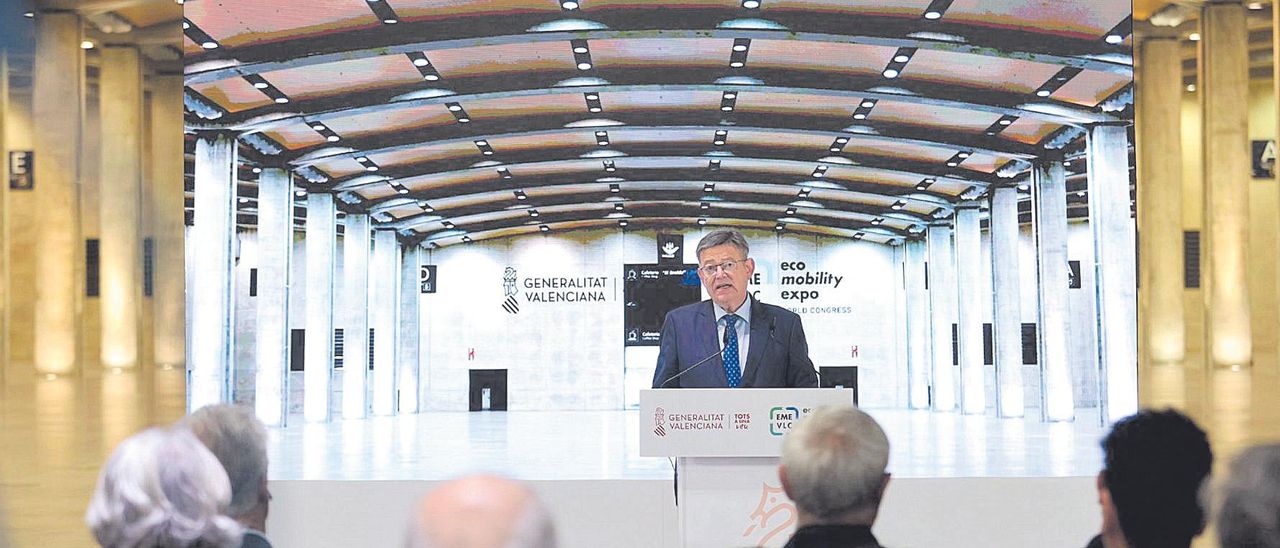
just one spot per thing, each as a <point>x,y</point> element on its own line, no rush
<point>835,460</point>
<point>469,510</point>
<point>721,237</point>
<point>162,488</point>
<point>1250,511</point>
<point>239,441</point>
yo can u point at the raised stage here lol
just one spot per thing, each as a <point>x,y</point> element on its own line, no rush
<point>958,480</point>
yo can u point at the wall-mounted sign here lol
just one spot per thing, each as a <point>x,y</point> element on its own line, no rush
<point>670,249</point>
<point>21,169</point>
<point>427,278</point>
<point>1073,274</point>
<point>1264,159</point>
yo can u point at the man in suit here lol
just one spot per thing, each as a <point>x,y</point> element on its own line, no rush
<point>833,466</point>
<point>239,441</point>
<point>731,340</point>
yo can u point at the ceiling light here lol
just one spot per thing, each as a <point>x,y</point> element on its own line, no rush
<point>282,100</point>
<point>702,221</point>
<point>390,21</point>
<point>209,45</point>
<point>421,62</point>
<point>1080,194</point>
<point>431,77</point>
<point>1194,37</point>
<point>371,168</point>
<point>466,239</point>
<point>32,14</point>
<point>842,140</point>
<point>463,120</point>
<point>544,228</point>
<point>751,4</point>
<point>730,95</point>
<point>705,205</point>
<point>1114,39</point>
<point>901,58</point>
<point>594,109</point>
<point>740,47</point>
<point>726,108</point>
<point>931,15</point>
<point>244,200</point>
<point>1191,87</point>
<point>718,142</point>
<point>736,64</point>
<point>300,193</point>
<point>533,213</point>
<point>890,73</point>
<point>1005,121</point>
<point>622,222</point>
<point>569,5</point>
<point>403,190</point>
<point>87,44</point>
<point>791,211</point>
<point>868,104</point>
<point>1043,93</point>
<point>617,207</point>
<point>592,97</point>
<point>261,85</point>
<point>1024,187</point>
<point>584,66</point>
<point>580,49</point>
<point>455,107</point>
<point>963,154</point>
<point>779,227</point>
<point>952,164</point>
<point>333,138</point>
<point>859,116</point>
<point>1255,5</point>
<point>257,170</point>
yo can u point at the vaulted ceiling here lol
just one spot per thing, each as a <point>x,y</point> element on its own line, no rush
<point>487,119</point>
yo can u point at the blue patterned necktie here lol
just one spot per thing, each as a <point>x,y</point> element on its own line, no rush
<point>731,370</point>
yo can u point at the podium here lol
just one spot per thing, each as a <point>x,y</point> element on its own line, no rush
<point>726,442</point>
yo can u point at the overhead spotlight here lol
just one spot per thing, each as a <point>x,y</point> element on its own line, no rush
<point>791,211</point>
<point>466,239</point>
<point>858,235</point>
<point>1117,34</point>
<point>243,200</point>
<point>1080,193</point>
<point>593,102</point>
<point>32,15</point>
<point>333,138</point>
<point>704,205</point>
<point>282,100</point>
<point>751,4</point>
<point>728,100</point>
<point>898,205</point>
<point>1194,37</point>
<point>877,221</point>
<point>610,167</point>
<point>890,73</point>
<point>804,192</point>
<point>779,227</point>
<point>1005,121</point>
<point>544,228</point>
<point>602,138</point>
<point>257,170</point>
<point>617,207</point>
<point>931,15</point>
<point>820,171</point>
<point>702,221</point>
<point>520,195</point>
<point>426,206</point>
<point>459,113</point>
<point>504,173</point>
<point>614,188</point>
<point>713,165</point>
<point>1191,87</point>
<point>383,12</point>
<point>568,5</point>
<point>390,21</point>
<point>708,187</point>
<point>581,54</point>
<point>299,193</point>
<point>738,54</point>
<point>423,65</point>
<point>533,213</point>
<point>901,58</point>
<point>88,44</point>
<point>484,147</point>
<point>421,62</point>
<point>403,190</point>
<point>842,140</point>
<point>622,222</point>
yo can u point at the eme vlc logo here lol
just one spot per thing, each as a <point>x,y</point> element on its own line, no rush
<point>781,419</point>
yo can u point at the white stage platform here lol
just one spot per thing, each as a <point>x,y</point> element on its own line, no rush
<point>958,480</point>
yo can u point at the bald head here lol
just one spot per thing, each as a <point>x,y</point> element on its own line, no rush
<point>481,512</point>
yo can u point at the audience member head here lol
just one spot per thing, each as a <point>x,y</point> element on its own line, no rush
<point>1250,513</point>
<point>1154,464</point>
<point>833,466</point>
<point>161,488</point>
<point>239,441</point>
<point>481,512</point>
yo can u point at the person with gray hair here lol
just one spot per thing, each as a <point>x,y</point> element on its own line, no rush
<point>481,511</point>
<point>162,489</point>
<point>833,468</point>
<point>1249,516</point>
<point>731,340</point>
<point>239,441</point>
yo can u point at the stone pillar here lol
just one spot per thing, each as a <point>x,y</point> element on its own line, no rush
<point>212,307</point>
<point>970,300</point>
<point>384,312</point>
<point>120,91</point>
<point>1224,79</point>
<point>321,241</point>
<point>275,249</point>
<point>1049,219</point>
<point>918,361</point>
<point>1006,317</point>
<point>355,299</point>
<point>407,358</point>
<point>57,107</point>
<point>5,359</point>
<point>167,299</point>
<point>942,310</point>
<point>1114,270</point>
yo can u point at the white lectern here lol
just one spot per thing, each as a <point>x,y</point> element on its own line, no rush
<point>726,442</point>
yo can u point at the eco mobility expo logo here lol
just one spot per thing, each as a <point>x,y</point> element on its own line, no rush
<point>659,419</point>
<point>781,419</point>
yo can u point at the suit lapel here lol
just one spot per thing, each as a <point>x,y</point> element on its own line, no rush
<point>710,342</point>
<point>759,340</point>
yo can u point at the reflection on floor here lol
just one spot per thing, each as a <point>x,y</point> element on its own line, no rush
<point>56,433</point>
<point>602,445</point>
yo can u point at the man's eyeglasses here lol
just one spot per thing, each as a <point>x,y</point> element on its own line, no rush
<point>727,266</point>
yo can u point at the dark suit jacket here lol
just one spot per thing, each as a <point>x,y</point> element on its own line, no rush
<point>833,536</point>
<point>778,355</point>
<point>254,539</point>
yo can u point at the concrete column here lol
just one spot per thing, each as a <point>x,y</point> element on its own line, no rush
<point>1049,221</point>
<point>120,91</point>
<point>970,299</point>
<point>355,299</point>
<point>942,310</point>
<point>1006,318</point>
<point>57,107</point>
<point>407,358</point>
<point>275,249</point>
<point>918,361</point>
<point>167,301</point>
<point>321,241</point>
<point>1159,146</point>
<point>1114,270</point>
<point>384,312</point>
<point>213,274</point>
<point>1224,79</point>
<point>5,307</point>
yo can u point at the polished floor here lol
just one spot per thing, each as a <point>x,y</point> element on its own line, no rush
<point>55,434</point>
<point>602,445</point>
